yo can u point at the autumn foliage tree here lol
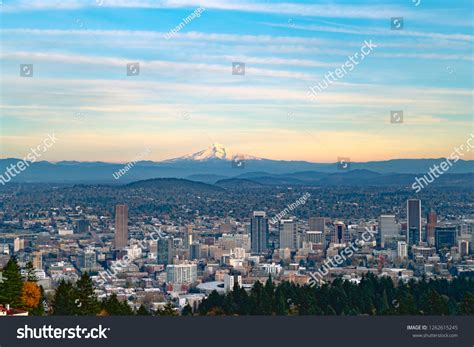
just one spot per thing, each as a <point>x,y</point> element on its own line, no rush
<point>30,295</point>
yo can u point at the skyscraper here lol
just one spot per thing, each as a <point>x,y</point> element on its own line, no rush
<point>188,237</point>
<point>388,228</point>
<point>288,234</point>
<point>432,220</point>
<point>259,232</point>
<point>413,221</point>
<point>121,226</point>
<point>340,234</point>
<point>164,254</point>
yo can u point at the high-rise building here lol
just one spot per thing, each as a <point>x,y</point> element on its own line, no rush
<point>231,280</point>
<point>181,273</point>
<point>288,234</point>
<point>164,254</point>
<point>188,238</point>
<point>445,236</point>
<point>259,232</point>
<point>317,224</point>
<point>388,229</point>
<point>195,251</point>
<point>88,259</point>
<point>316,237</point>
<point>37,260</point>
<point>340,234</point>
<point>431,221</point>
<point>18,244</point>
<point>413,221</point>
<point>121,226</point>
<point>402,249</point>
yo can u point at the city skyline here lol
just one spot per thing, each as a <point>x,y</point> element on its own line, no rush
<point>183,94</point>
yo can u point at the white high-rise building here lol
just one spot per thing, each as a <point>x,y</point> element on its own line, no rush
<point>18,244</point>
<point>181,273</point>
<point>402,249</point>
<point>230,281</point>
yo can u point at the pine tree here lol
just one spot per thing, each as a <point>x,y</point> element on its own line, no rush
<point>187,311</point>
<point>64,302</point>
<point>86,300</point>
<point>30,275</point>
<point>142,311</point>
<point>11,284</point>
<point>114,307</point>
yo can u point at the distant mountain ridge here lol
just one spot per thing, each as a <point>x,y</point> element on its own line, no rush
<point>219,163</point>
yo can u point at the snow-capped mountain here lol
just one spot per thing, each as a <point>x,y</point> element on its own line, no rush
<point>215,151</point>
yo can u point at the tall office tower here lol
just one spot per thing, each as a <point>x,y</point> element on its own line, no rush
<point>121,226</point>
<point>18,244</point>
<point>402,249</point>
<point>288,234</point>
<point>188,238</point>
<point>413,221</point>
<point>164,254</point>
<point>388,229</point>
<point>195,251</point>
<point>37,260</point>
<point>431,221</point>
<point>259,232</point>
<point>340,234</point>
<point>317,224</point>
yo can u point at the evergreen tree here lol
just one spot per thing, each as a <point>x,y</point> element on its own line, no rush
<point>187,311</point>
<point>142,311</point>
<point>86,300</point>
<point>64,302</point>
<point>113,307</point>
<point>11,284</point>
<point>30,275</point>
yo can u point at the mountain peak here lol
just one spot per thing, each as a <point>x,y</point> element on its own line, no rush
<point>216,151</point>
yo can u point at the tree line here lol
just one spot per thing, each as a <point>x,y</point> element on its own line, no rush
<point>372,296</point>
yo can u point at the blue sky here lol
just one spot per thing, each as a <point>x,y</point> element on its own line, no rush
<point>186,98</point>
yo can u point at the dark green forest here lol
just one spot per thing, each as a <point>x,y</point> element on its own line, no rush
<point>372,296</point>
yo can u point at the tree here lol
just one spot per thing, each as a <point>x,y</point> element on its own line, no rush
<point>30,273</point>
<point>64,302</point>
<point>114,307</point>
<point>142,311</point>
<point>11,284</point>
<point>86,300</point>
<point>467,305</point>
<point>30,295</point>
<point>187,311</point>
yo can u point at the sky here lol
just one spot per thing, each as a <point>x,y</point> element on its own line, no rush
<point>186,97</point>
